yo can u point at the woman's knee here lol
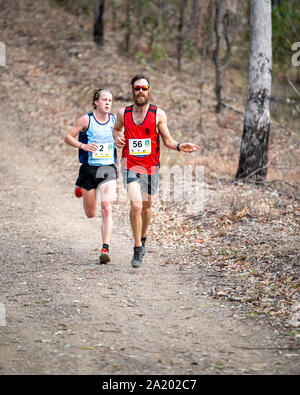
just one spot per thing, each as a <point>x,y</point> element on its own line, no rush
<point>90,213</point>
<point>90,203</point>
<point>106,208</point>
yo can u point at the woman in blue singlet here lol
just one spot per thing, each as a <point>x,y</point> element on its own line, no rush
<point>98,155</point>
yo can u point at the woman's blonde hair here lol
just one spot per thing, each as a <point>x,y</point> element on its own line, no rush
<point>97,93</point>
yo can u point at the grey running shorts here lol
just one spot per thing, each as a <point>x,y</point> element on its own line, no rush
<point>148,183</point>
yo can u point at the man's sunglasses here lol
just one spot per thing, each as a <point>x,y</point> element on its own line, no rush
<point>139,87</point>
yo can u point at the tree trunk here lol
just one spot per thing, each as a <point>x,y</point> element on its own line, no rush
<point>201,84</point>
<point>98,21</point>
<point>253,162</point>
<point>114,14</point>
<point>180,38</point>
<point>195,20</point>
<point>128,27</point>
<point>221,31</point>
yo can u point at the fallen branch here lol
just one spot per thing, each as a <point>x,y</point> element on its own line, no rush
<point>233,108</point>
<point>225,104</point>
<point>268,348</point>
<point>284,100</point>
<point>293,86</point>
<point>283,182</point>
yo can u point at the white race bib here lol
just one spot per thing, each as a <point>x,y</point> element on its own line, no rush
<point>104,151</point>
<point>140,147</point>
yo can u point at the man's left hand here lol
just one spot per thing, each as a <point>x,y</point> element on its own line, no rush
<point>188,147</point>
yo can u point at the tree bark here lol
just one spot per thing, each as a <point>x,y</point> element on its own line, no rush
<point>128,27</point>
<point>253,161</point>
<point>180,38</point>
<point>98,21</point>
<point>221,31</point>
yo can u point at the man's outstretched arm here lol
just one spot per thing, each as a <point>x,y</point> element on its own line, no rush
<point>168,140</point>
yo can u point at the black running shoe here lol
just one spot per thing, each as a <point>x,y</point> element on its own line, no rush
<point>137,258</point>
<point>144,245</point>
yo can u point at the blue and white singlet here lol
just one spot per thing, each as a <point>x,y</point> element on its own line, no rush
<point>100,133</point>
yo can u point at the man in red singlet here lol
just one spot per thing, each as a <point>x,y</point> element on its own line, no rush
<point>137,131</point>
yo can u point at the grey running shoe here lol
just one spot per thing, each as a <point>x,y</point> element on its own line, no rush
<point>137,258</point>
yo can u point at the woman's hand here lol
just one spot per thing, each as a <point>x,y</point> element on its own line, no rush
<point>92,147</point>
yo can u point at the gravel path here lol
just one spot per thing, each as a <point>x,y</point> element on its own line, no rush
<point>66,314</point>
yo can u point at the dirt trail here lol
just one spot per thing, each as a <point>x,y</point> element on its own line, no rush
<point>66,314</point>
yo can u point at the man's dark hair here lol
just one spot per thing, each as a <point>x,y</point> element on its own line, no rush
<point>139,77</point>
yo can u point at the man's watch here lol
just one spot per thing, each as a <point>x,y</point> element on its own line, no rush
<point>178,146</point>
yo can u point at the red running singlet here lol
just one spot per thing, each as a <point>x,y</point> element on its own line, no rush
<point>142,149</point>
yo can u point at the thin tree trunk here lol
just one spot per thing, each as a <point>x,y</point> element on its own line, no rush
<point>128,27</point>
<point>202,50</point>
<point>201,84</point>
<point>253,162</point>
<point>114,14</point>
<point>180,38</point>
<point>221,32</point>
<point>195,19</point>
<point>98,22</point>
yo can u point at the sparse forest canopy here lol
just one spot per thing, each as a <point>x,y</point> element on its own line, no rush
<point>161,28</point>
<point>285,29</point>
<point>176,34</point>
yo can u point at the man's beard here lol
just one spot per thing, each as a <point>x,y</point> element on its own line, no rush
<point>141,100</point>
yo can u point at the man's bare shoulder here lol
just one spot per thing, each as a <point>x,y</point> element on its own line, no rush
<point>161,115</point>
<point>120,112</point>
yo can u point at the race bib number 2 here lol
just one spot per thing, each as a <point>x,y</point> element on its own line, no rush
<point>104,151</point>
<point>139,147</point>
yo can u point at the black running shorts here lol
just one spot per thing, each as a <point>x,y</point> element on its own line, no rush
<point>91,176</point>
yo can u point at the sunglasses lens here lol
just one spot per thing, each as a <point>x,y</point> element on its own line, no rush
<point>138,87</point>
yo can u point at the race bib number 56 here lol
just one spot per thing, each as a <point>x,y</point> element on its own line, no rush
<point>139,147</point>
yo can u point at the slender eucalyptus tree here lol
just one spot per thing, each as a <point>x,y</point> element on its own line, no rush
<point>98,21</point>
<point>253,161</point>
<point>221,32</point>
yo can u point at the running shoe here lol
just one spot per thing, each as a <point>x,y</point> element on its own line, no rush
<point>144,246</point>
<point>104,256</point>
<point>137,258</point>
<point>78,192</point>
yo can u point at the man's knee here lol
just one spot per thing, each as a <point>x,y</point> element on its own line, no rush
<point>136,207</point>
<point>147,205</point>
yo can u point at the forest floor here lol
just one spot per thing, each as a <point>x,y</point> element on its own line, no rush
<point>218,292</point>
